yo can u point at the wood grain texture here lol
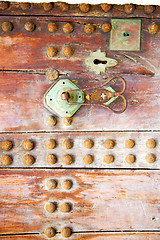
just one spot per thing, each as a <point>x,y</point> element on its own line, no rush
<point>101,200</point>
<point>78,151</point>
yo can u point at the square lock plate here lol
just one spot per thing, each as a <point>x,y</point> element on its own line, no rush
<point>125,35</point>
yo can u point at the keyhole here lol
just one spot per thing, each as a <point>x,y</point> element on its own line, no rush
<point>97,61</point>
<point>126,34</point>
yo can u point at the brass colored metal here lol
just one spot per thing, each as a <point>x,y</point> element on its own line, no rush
<point>7,145</point>
<point>63,6</point>
<point>51,144</point>
<point>50,232</point>
<point>130,159</point>
<point>52,27</point>
<point>129,8</point>
<point>4,5</point>
<point>109,159</point>
<point>52,52</point>
<point>28,159</point>
<point>29,26</point>
<point>47,6</point>
<point>109,144</point>
<point>88,159</point>
<point>106,7</point>
<point>129,143</point>
<point>67,121</point>
<point>67,184</point>
<point>68,28</point>
<point>88,143</point>
<point>7,160</point>
<point>51,121</point>
<point>66,207</point>
<point>151,143</point>
<point>67,160</point>
<point>28,145</point>
<point>150,158</point>
<point>149,9</point>
<point>51,184</point>
<point>67,144</point>
<point>154,28</point>
<point>68,51</point>
<point>25,6</point>
<point>106,27</point>
<point>89,28</point>
<point>50,207</point>
<point>52,74</point>
<point>7,26</point>
<point>51,159</point>
<point>84,7</point>
<point>66,232</point>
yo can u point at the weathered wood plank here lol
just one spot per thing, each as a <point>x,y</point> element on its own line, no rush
<point>101,200</point>
<point>78,151</point>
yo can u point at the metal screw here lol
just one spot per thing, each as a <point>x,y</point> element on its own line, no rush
<point>7,26</point>
<point>89,28</point>
<point>109,159</point>
<point>88,159</point>
<point>28,145</point>
<point>7,160</point>
<point>85,7</point>
<point>109,144</point>
<point>66,232</point>
<point>129,143</point>
<point>149,9</point>
<point>50,207</point>
<point>51,144</point>
<point>67,184</point>
<point>4,5</point>
<point>151,143</point>
<point>67,144</point>
<point>67,121</point>
<point>150,158</point>
<point>88,143</point>
<point>106,27</point>
<point>50,232</point>
<point>154,28</point>
<point>51,121</point>
<point>63,6</point>
<point>68,51</point>
<point>106,7</point>
<point>29,26</point>
<point>47,6</point>
<point>52,27</point>
<point>51,159</point>
<point>28,159</point>
<point>130,159</point>
<point>51,184</point>
<point>52,52</point>
<point>7,145</point>
<point>65,207</point>
<point>129,8</point>
<point>67,159</point>
<point>68,28</point>
<point>25,6</point>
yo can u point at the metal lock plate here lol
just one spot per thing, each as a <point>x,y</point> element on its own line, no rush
<point>125,35</point>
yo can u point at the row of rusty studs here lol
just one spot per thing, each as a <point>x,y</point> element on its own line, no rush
<point>128,8</point>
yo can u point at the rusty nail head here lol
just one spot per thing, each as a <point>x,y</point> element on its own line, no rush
<point>4,5</point>
<point>47,6</point>
<point>109,144</point>
<point>63,6</point>
<point>67,144</point>
<point>51,184</point>
<point>50,207</point>
<point>67,159</point>
<point>67,121</point>
<point>66,232</point>
<point>52,27</point>
<point>106,7</point>
<point>28,159</point>
<point>51,121</point>
<point>7,145</point>
<point>7,160</point>
<point>7,26</point>
<point>129,8</point>
<point>88,143</point>
<point>68,51</point>
<point>65,207</point>
<point>28,145</point>
<point>109,159</point>
<point>67,184</point>
<point>68,28</point>
<point>88,159</point>
<point>50,232</point>
<point>51,159</point>
<point>106,27</point>
<point>29,26</point>
<point>129,143</point>
<point>150,158</point>
<point>149,9</point>
<point>52,52</point>
<point>89,28</point>
<point>25,6</point>
<point>151,143</point>
<point>84,7</point>
<point>130,159</point>
<point>51,144</point>
<point>154,28</point>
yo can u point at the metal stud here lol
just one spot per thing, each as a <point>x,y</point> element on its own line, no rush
<point>51,121</point>
<point>63,6</point>
<point>50,232</point>
<point>28,145</point>
<point>109,159</point>
<point>50,207</point>
<point>129,143</point>
<point>129,8</point>
<point>151,143</point>
<point>52,52</point>
<point>85,7</point>
<point>149,9</point>
<point>89,28</point>
<point>106,27</point>
<point>67,184</point>
<point>4,5</point>
<point>25,6</point>
<point>67,144</point>
<point>68,51</point>
<point>7,145</point>
<point>88,159</point>
<point>47,6</point>
<point>130,159</point>
<point>29,26</point>
<point>88,143</point>
<point>28,159</point>
<point>67,121</point>
<point>51,144</point>
<point>67,159</point>
<point>109,144</point>
<point>52,27</point>
<point>154,28</point>
<point>51,184</point>
<point>68,28</point>
<point>51,159</point>
<point>65,207</point>
<point>106,7</point>
<point>150,158</point>
<point>7,160</point>
<point>7,26</point>
<point>66,232</point>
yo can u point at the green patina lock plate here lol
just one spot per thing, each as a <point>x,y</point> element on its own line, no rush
<point>125,35</point>
<point>53,101</point>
